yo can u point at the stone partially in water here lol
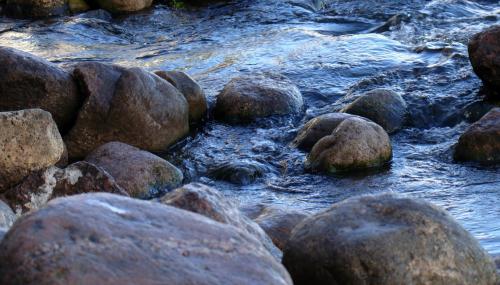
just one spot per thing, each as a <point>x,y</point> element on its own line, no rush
<point>7,216</point>
<point>124,6</point>
<point>355,144</point>
<point>27,81</point>
<point>238,172</point>
<point>40,187</point>
<point>385,239</point>
<point>128,105</point>
<point>140,173</point>
<point>249,97</point>
<point>35,8</point>
<point>110,239</point>
<point>481,141</point>
<point>29,141</point>
<point>192,92</point>
<point>484,54</point>
<point>384,107</point>
<point>204,200</point>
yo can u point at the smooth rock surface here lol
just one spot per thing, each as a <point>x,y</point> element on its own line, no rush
<point>385,239</point>
<point>124,6</point>
<point>484,55</point>
<point>141,173</point>
<point>114,240</point>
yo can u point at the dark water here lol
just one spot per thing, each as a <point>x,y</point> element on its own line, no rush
<point>333,50</point>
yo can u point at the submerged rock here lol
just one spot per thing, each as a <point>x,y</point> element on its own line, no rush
<point>355,144</point>
<point>40,187</point>
<point>35,8</point>
<point>29,141</point>
<point>249,97</point>
<point>123,6</point>
<point>128,105</point>
<point>317,128</point>
<point>140,173</point>
<point>27,81</point>
<point>7,216</point>
<point>384,107</point>
<point>385,239</point>
<point>201,199</point>
<point>481,141</point>
<point>110,239</point>
<point>238,172</point>
<point>192,92</point>
<point>484,54</point>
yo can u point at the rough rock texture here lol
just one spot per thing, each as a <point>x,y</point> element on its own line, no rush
<point>127,105</point>
<point>484,54</point>
<point>206,201</point>
<point>29,141</point>
<point>140,173</point>
<point>481,141</point>
<point>35,8</point>
<point>7,216</point>
<point>114,240</point>
<point>27,81</point>
<point>317,128</point>
<point>192,92</point>
<point>241,172</point>
<point>354,144</point>
<point>123,6</point>
<point>384,107</point>
<point>248,97</point>
<point>385,239</point>
<point>278,222</point>
<point>40,187</point>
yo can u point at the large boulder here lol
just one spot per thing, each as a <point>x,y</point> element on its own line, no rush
<point>385,239</point>
<point>128,105</point>
<point>44,185</point>
<point>29,141</point>
<point>35,8</point>
<point>192,92</point>
<point>7,216</point>
<point>481,141</point>
<point>384,107</point>
<point>123,6</point>
<point>141,173</point>
<point>27,81</point>
<point>206,201</point>
<point>484,54</point>
<point>355,144</point>
<point>249,97</point>
<point>110,239</point>
<point>318,128</point>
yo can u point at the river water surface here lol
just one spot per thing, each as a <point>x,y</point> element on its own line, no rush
<point>334,51</point>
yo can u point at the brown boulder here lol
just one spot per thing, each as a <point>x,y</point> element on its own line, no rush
<point>27,81</point>
<point>35,8</point>
<point>29,141</point>
<point>40,187</point>
<point>191,91</point>
<point>484,54</point>
<point>128,105</point>
<point>124,6</point>
<point>206,201</point>
<point>114,240</point>
<point>481,141</point>
<point>140,173</point>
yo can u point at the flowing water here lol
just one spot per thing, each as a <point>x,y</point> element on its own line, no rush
<point>334,51</point>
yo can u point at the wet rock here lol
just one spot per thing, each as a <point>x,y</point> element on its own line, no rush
<point>110,239</point>
<point>27,81</point>
<point>249,97</point>
<point>385,239</point>
<point>7,216</point>
<point>3,231</point>
<point>40,187</point>
<point>355,144</point>
<point>191,91</point>
<point>140,173</point>
<point>124,6</point>
<point>384,107</point>
<point>317,128</point>
<point>481,141</point>
<point>128,105</point>
<point>96,14</point>
<point>484,54</point>
<point>238,172</point>
<point>29,141</point>
<point>206,201</point>
<point>35,8</point>
<point>278,223</point>
<point>78,6</point>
